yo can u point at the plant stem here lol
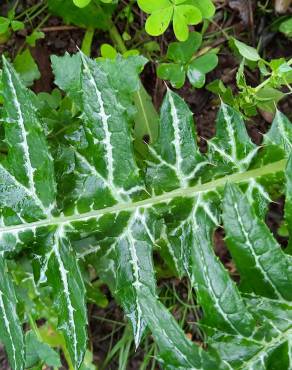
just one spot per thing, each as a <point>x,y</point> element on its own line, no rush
<point>117,39</point>
<point>34,327</point>
<point>87,41</point>
<point>29,11</point>
<point>43,21</point>
<point>236,178</point>
<point>36,14</point>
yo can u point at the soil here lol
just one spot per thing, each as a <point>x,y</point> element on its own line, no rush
<point>107,325</point>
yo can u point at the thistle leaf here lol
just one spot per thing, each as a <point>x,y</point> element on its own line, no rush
<point>261,260</point>
<point>176,351</point>
<point>118,212</point>
<point>29,167</point>
<point>69,292</point>
<point>288,204</point>
<point>176,158</point>
<point>10,328</point>
<point>227,310</point>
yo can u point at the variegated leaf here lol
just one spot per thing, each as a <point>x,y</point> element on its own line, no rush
<point>253,248</point>
<point>288,204</point>
<point>106,203</point>
<point>10,327</point>
<point>69,293</point>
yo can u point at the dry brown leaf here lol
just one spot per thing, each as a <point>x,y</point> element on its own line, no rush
<point>281,6</point>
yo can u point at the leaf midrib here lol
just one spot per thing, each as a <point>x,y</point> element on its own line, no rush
<point>271,168</point>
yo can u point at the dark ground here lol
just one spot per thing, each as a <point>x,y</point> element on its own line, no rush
<point>105,327</point>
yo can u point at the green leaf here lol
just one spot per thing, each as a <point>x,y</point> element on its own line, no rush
<point>110,210</point>
<point>81,3</point>
<point>28,172</point>
<point>91,16</point>
<point>206,7</point>
<point>146,119</point>
<point>175,73</point>
<point>213,283</point>
<point>131,267</point>
<point>28,168</point>
<point>199,67</point>
<point>27,68</point>
<point>10,328</point>
<point>34,37</point>
<point>67,71</point>
<point>176,351</point>
<point>267,98</point>
<point>107,51</point>
<point>274,322</point>
<point>150,6</point>
<point>288,204</point>
<point>178,2</point>
<point>246,51</point>
<point>11,14</point>
<point>183,13</point>
<point>175,164</point>
<point>183,16</point>
<point>128,81</point>
<point>206,63</point>
<point>259,259</point>
<point>286,27</point>
<point>4,25</point>
<point>1,88</point>
<point>66,281</point>
<point>16,26</point>
<point>88,363</point>
<point>131,53</point>
<point>95,295</point>
<point>158,21</point>
<point>280,134</point>
<point>232,146</point>
<point>37,351</point>
<point>182,52</point>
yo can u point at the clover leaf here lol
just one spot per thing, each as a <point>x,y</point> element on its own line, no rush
<point>185,62</point>
<point>84,3</point>
<point>81,3</point>
<point>182,13</point>
<point>182,52</point>
<point>199,67</point>
<point>175,73</point>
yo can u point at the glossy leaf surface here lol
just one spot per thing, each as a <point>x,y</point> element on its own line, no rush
<point>88,189</point>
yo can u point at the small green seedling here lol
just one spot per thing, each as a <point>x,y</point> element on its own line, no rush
<point>34,37</point>
<point>39,353</point>
<point>182,13</point>
<point>107,51</point>
<point>275,74</point>
<point>9,24</point>
<point>26,67</point>
<point>185,61</point>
